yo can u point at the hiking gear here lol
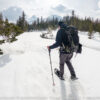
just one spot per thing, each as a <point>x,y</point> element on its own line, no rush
<point>66,41</point>
<point>59,39</point>
<point>74,78</point>
<point>79,48</point>
<point>48,48</point>
<point>65,58</point>
<point>71,42</point>
<point>51,69</point>
<point>61,23</point>
<point>57,72</point>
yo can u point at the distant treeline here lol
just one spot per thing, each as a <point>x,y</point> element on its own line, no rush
<point>86,24</point>
<point>10,30</point>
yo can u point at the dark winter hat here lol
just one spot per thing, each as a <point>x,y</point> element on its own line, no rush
<point>61,23</point>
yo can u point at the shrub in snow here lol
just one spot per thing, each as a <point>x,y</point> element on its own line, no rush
<point>48,34</point>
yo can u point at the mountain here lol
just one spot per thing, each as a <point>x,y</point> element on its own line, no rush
<point>32,19</point>
<point>12,13</point>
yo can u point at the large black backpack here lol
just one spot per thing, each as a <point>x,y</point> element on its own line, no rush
<point>72,43</point>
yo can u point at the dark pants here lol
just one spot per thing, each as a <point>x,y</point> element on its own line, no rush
<point>65,58</point>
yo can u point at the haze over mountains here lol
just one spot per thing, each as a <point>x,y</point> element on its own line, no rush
<point>13,13</point>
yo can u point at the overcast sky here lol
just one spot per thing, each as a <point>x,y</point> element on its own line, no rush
<point>53,7</point>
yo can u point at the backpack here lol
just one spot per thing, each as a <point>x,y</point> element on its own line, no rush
<point>72,43</point>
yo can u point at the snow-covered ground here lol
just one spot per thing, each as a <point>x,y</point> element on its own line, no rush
<point>25,70</point>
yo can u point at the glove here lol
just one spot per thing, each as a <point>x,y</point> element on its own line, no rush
<point>48,48</point>
<point>79,48</point>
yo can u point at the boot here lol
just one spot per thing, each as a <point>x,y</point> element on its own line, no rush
<point>74,78</point>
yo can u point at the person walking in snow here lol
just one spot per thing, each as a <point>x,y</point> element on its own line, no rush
<point>65,56</point>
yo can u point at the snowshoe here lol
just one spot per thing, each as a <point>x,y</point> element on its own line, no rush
<point>74,78</point>
<point>57,72</point>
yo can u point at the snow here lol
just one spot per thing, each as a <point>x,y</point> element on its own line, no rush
<point>1,38</point>
<point>25,70</point>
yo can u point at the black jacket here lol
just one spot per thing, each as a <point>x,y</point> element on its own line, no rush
<point>60,38</point>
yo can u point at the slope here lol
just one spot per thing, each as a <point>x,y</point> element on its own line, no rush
<point>25,71</point>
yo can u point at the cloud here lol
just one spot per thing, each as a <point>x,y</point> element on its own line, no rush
<point>46,8</point>
<point>31,7</point>
<point>12,13</point>
<point>99,4</point>
<point>61,10</point>
<point>4,4</point>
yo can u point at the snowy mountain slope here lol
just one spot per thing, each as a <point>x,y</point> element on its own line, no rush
<point>25,71</point>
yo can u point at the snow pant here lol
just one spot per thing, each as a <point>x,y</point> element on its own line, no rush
<point>65,58</point>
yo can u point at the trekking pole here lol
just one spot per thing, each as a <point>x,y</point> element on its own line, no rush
<point>75,55</point>
<point>51,69</point>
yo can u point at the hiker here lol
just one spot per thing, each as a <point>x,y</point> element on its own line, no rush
<point>65,56</point>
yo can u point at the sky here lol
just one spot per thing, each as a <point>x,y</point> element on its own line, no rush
<point>53,7</point>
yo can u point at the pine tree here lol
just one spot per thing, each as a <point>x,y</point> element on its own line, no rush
<point>22,23</point>
<point>90,31</point>
<point>1,17</point>
<point>1,24</point>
